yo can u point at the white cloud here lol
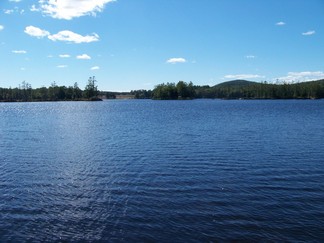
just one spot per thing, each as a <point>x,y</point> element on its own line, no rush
<point>19,51</point>
<point>243,76</point>
<point>1,27</point>
<point>175,60</point>
<point>250,56</point>
<point>69,9</point>
<point>83,57</point>
<point>16,1</point>
<point>302,76</point>
<point>14,10</point>
<point>95,68</point>
<point>61,66</point>
<point>70,36</point>
<point>8,11</point>
<point>36,32</point>
<point>64,35</point>
<point>281,23</point>
<point>64,55</point>
<point>34,9</point>
<point>311,32</point>
<point>22,69</point>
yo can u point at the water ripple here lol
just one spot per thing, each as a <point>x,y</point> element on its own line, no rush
<point>203,170</point>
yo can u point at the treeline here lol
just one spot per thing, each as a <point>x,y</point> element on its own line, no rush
<point>25,92</point>
<point>241,89</point>
<point>168,91</point>
<point>142,94</point>
<point>237,89</point>
<point>171,91</point>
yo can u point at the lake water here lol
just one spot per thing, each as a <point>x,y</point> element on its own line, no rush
<point>167,171</point>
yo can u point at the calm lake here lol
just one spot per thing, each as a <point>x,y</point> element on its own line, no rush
<point>167,171</point>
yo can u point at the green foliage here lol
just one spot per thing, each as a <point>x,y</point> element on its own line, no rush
<point>77,92</point>
<point>238,89</point>
<point>91,90</point>
<point>141,94</point>
<point>53,93</point>
<point>108,95</point>
<point>165,92</point>
<point>185,91</point>
<point>241,89</point>
<point>170,91</point>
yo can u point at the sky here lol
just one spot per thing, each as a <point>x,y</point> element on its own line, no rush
<point>137,44</point>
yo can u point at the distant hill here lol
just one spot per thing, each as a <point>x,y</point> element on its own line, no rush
<point>318,82</point>
<point>243,89</point>
<point>235,83</point>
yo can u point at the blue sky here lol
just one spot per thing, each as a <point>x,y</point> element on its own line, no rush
<point>137,44</point>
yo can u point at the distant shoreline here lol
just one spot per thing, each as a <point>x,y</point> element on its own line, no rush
<point>225,99</point>
<point>231,90</point>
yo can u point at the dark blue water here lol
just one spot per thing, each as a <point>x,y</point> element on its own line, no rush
<point>169,171</point>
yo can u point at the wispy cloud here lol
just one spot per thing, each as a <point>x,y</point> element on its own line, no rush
<point>175,60</point>
<point>83,57</point>
<point>34,8</point>
<point>14,10</point>
<point>64,55</point>
<point>8,11</point>
<point>16,1</point>
<point>95,68</point>
<point>61,66</point>
<point>70,36</point>
<point>36,32</point>
<point>302,76</point>
<point>243,76</point>
<point>250,56</point>
<point>69,9</point>
<point>19,51</point>
<point>280,23</point>
<point>65,35</point>
<point>311,32</point>
<point>1,27</point>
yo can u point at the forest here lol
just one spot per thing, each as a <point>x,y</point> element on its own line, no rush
<point>241,89</point>
<point>172,91</point>
<point>25,93</point>
<point>236,89</point>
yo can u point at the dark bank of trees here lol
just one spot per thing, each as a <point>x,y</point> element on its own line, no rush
<point>171,91</point>
<point>25,92</point>
<point>142,94</point>
<point>237,89</point>
<point>241,89</point>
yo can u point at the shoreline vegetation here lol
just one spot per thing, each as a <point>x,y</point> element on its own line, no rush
<point>236,89</point>
<point>25,93</point>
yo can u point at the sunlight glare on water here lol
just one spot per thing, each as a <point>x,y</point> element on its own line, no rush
<point>201,170</point>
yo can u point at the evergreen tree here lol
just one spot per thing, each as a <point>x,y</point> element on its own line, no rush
<point>91,90</point>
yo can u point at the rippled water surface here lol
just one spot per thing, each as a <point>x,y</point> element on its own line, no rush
<point>171,171</point>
